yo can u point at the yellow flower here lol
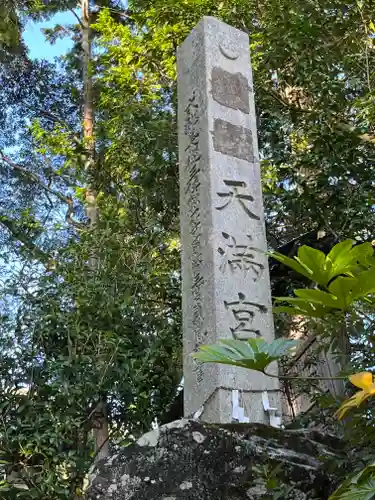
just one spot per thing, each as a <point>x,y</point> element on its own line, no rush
<point>364,381</point>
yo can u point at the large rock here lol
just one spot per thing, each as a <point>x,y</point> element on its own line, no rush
<point>193,460</point>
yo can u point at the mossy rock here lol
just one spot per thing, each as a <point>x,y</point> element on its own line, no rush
<point>194,460</point>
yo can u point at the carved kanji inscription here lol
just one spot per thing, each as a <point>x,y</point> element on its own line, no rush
<point>244,312</point>
<point>237,192</point>
<point>239,255</point>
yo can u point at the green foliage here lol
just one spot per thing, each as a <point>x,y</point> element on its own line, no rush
<point>73,334</point>
<point>115,331</point>
<point>268,479</point>
<point>10,29</point>
<point>345,276</point>
<point>343,259</point>
<point>254,354</point>
<point>361,486</point>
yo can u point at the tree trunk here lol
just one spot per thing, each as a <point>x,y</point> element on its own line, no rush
<point>101,434</point>
<point>99,419</point>
<point>88,111</point>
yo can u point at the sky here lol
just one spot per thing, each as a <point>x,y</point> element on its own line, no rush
<point>35,40</point>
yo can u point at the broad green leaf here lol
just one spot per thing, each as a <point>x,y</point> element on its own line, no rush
<point>279,346</point>
<point>365,491</point>
<point>358,487</point>
<point>240,349</point>
<point>363,254</point>
<point>343,288</point>
<point>254,354</point>
<point>342,292</point>
<point>350,260</point>
<point>343,259</point>
<point>348,290</point>
<point>340,250</point>
<point>296,266</point>
<point>365,284</point>
<point>319,297</point>
<point>303,308</point>
<point>315,260</point>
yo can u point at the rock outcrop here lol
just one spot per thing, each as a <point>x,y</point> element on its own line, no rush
<point>192,460</point>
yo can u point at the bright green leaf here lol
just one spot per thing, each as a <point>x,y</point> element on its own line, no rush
<point>254,354</point>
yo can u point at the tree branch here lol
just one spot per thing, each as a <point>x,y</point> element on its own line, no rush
<point>55,119</point>
<point>35,251</point>
<point>349,128</point>
<point>65,199</point>
<point>339,124</point>
<point>74,13</point>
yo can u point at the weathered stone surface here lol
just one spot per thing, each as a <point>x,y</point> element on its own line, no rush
<point>232,140</point>
<point>230,89</point>
<point>192,460</point>
<point>225,278</point>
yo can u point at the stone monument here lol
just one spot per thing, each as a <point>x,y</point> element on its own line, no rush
<point>225,277</point>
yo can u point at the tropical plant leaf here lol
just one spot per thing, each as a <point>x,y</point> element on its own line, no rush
<point>316,296</point>
<point>358,487</point>
<point>365,284</point>
<point>343,289</point>
<point>362,255</point>
<point>349,290</point>
<point>363,492</point>
<point>254,354</point>
<point>344,259</point>
<point>292,263</point>
<point>301,307</point>
<point>280,347</point>
<point>340,252</point>
<point>309,303</point>
<point>342,293</point>
<point>315,260</point>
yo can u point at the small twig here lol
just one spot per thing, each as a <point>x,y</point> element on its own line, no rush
<point>106,367</point>
<point>122,13</point>
<point>328,225</point>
